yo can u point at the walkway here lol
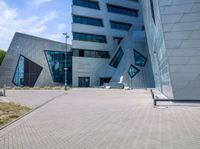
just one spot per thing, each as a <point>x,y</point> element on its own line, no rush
<point>105,119</point>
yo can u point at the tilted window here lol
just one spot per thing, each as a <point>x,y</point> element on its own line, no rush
<point>56,62</point>
<point>117,58</point>
<point>120,25</point>
<point>26,73</point>
<point>133,71</point>
<point>140,60</point>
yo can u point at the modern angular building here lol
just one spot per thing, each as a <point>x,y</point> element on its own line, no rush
<point>32,61</point>
<point>109,44</point>
<point>134,43</point>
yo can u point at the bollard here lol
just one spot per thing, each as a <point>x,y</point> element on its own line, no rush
<point>152,94</point>
<point>154,103</point>
<point>4,90</point>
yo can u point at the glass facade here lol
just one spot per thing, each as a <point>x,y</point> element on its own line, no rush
<point>56,62</point>
<point>86,3</point>
<point>140,60</point>
<point>90,53</point>
<point>133,71</point>
<point>87,20</point>
<point>122,10</point>
<point>89,37</point>
<point>120,25</point>
<point>117,58</point>
<point>26,73</point>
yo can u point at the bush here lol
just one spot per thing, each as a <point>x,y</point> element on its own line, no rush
<point>2,55</point>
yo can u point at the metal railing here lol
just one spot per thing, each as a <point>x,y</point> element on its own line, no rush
<point>156,99</point>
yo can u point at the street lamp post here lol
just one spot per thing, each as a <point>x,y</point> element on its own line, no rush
<point>65,69</point>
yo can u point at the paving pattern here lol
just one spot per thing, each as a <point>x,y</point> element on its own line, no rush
<point>31,98</point>
<point>105,119</point>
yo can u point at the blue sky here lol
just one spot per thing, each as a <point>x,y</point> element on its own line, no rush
<point>43,18</point>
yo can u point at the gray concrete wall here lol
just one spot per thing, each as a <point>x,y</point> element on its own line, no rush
<point>32,48</point>
<point>174,44</point>
<point>88,67</point>
<point>157,49</point>
<point>181,27</point>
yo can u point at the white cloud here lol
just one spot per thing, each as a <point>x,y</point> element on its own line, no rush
<point>11,22</point>
<point>58,36</point>
<point>38,3</point>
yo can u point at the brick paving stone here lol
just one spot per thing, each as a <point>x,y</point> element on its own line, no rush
<point>105,119</point>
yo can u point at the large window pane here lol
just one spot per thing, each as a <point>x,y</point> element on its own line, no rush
<point>90,53</point>
<point>133,71</point>
<point>117,58</point>
<point>86,3</point>
<point>27,72</point>
<point>89,37</point>
<point>120,25</point>
<point>56,62</point>
<point>122,10</point>
<point>140,60</point>
<point>87,20</point>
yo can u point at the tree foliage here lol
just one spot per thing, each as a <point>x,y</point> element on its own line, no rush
<point>2,55</point>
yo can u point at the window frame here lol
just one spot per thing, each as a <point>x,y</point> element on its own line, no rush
<point>103,40</point>
<point>75,3</point>
<point>141,55</point>
<point>16,67</point>
<point>110,6</point>
<point>88,19</point>
<point>120,23</point>
<point>138,70</point>
<point>112,63</point>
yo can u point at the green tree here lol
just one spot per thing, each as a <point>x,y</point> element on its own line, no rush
<point>2,55</point>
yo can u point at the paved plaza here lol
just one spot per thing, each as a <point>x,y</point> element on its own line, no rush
<point>104,119</point>
<point>31,98</point>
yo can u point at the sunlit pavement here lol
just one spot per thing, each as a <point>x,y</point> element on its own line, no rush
<point>105,119</point>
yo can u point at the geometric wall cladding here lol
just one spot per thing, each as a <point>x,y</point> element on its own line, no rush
<point>26,73</point>
<point>133,71</point>
<point>140,60</point>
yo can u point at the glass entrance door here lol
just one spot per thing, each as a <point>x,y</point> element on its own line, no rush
<point>84,81</point>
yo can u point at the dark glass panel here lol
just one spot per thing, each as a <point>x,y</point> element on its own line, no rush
<point>27,72</point>
<point>140,60</point>
<point>56,62</point>
<point>122,10</point>
<point>90,53</point>
<point>133,71</point>
<point>89,37</point>
<point>104,80</point>
<point>117,58</point>
<point>86,3</point>
<point>120,25</point>
<point>87,20</point>
<point>152,10</point>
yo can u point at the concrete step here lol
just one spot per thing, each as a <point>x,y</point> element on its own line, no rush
<point>115,85</point>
